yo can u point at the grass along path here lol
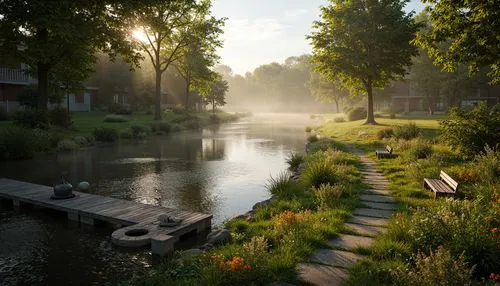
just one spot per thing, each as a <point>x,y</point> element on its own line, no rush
<point>328,266</point>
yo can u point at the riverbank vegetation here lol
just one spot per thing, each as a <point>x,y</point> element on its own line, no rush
<point>18,141</point>
<point>446,241</point>
<point>305,210</point>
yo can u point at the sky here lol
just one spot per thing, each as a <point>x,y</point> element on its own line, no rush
<point>263,31</point>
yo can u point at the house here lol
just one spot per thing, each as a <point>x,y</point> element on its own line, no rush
<point>13,80</point>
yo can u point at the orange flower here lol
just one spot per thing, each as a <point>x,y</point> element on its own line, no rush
<point>237,264</point>
<point>495,277</point>
<point>495,230</point>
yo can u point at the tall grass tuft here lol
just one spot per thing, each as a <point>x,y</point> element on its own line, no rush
<point>407,131</point>
<point>326,195</point>
<point>318,173</point>
<point>294,160</point>
<point>283,186</point>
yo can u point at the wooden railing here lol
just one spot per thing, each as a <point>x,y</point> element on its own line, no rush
<point>8,75</point>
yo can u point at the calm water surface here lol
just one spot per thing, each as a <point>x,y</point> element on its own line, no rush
<point>220,170</point>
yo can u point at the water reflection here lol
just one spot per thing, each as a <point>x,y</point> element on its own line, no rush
<point>219,170</point>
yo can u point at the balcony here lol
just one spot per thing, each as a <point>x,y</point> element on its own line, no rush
<point>13,76</point>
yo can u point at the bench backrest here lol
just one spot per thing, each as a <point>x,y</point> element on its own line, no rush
<point>448,180</point>
<point>388,149</point>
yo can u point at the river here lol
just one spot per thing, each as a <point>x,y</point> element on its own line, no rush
<point>218,170</point>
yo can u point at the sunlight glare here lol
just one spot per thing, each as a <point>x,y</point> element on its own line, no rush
<point>139,35</point>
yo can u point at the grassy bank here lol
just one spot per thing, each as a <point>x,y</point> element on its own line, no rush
<point>304,212</point>
<point>91,128</point>
<point>430,241</point>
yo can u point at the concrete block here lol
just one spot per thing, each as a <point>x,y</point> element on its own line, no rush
<point>73,216</point>
<point>87,220</point>
<point>162,244</point>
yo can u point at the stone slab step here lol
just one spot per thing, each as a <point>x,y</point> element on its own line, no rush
<point>381,186</point>
<point>365,229</point>
<point>373,212</point>
<point>322,275</point>
<point>376,199</point>
<point>365,220</point>
<point>350,242</point>
<point>337,258</point>
<point>377,192</point>
<point>379,206</point>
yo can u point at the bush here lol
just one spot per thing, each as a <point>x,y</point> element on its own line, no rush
<point>66,145</point>
<point>418,149</point>
<point>161,126</point>
<point>126,134</point>
<point>4,115</point>
<point>323,144</point>
<point>308,129</point>
<point>114,118</point>
<point>463,227</point>
<point>357,113</point>
<point>104,134</point>
<point>60,116</point>
<point>385,133</point>
<point>326,195</point>
<point>192,124</point>
<point>294,161</point>
<point>407,131</point>
<point>17,143</point>
<point>437,268</point>
<point>81,141</point>
<point>120,109</point>
<point>312,138</point>
<point>283,186</point>
<point>471,130</point>
<point>339,119</point>
<point>487,166</point>
<point>31,118</point>
<point>392,116</point>
<point>139,131</point>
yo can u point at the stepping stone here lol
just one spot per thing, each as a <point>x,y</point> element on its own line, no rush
<point>373,212</point>
<point>377,192</point>
<point>379,206</point>
<point>376,199</point>
<point>350,242</point>
<point>378,185</point>
<point>322,275</point>
<point>365,220</point>
<point>365,229</point>
<point>280,283</point>
<point>337,258</point>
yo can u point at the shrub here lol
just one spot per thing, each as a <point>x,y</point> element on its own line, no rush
<point>115,118</point>
<point>139,131</point>
<point>283,186</point>
<point>357,113</point>
<point>192,123</point>
<point>418,149</point>
<point>327,194</point>
<point>4,115</point>
<point>463,227</point>
<point>66,145</point>
<point>339,119</point>
<point>308,129</point>
<point>294,160</point>
<point>17,143</point>
<point>31,118</point>
<point>60,116</point>
<point>330,156</point>
<point>104,134</point>
<point>312,138</point>
<point>392,116</point>
<point>126,134</point>
<point>487,166</point>
<point>161,126</point>
<point>385,133</point>
<point>471,130</point>
<point>407,131</point>
<point>437,268</point>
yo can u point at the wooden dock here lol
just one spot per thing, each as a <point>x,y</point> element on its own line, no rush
<point>140,221</point>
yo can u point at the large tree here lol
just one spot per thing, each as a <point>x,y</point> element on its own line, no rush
<point>364,43</point>
<point>166,28</point>
<point>217,94</point>
<point>466,32</point>
<point>45,35</point>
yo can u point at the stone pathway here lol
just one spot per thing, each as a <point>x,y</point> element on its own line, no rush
<point>329,266</point>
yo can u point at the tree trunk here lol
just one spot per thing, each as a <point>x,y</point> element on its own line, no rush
<point>213,106</point>
<point>158,91</point>
<point>337,105</point>
<point>370,119</point>
<point>188,84</point>
<point>43,86</point>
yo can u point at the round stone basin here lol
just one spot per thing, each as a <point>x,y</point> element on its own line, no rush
<point>136,232</point>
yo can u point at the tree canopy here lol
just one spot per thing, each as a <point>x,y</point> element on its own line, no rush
<point>364,44</point>
<point>65,35</point>
<point>464,31</point>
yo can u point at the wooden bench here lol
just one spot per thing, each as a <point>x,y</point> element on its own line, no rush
<point>445,185</point>
<point>384,153</point>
